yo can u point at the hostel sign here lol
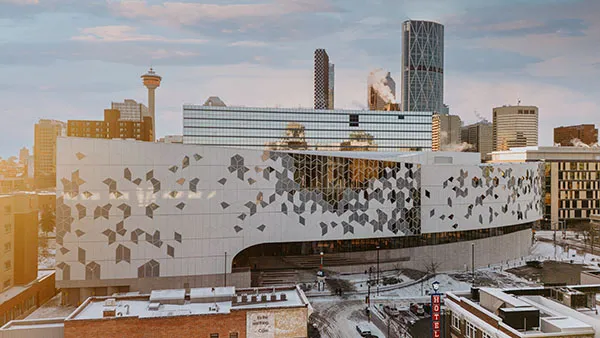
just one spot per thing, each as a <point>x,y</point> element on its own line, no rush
<point>436,312</point>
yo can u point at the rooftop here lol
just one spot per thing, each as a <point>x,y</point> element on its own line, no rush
<point>547,311</point>
<point>199,301</point>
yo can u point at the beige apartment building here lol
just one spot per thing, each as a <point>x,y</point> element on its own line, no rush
<point>572,189</point>
<point>514,126</point>
<point>44,152</point>
<point>445,131</point>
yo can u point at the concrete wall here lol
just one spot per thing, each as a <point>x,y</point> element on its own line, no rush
<point>47,328</point>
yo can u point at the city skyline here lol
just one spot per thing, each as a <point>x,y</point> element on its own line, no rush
<point>495,54</point>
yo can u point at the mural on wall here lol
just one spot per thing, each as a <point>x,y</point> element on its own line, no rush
<point>134,209</point>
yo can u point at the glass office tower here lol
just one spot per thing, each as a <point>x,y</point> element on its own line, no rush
<point>306,129</point>
<point>422,66</point>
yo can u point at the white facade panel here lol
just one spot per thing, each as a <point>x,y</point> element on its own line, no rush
<point>167,210</point>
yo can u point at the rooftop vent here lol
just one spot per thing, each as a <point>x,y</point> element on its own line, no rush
<point>110,302</point>
<point>153,306</point>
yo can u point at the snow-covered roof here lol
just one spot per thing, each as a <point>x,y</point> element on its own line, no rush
<point>199,293</point>
<point>140,306</point>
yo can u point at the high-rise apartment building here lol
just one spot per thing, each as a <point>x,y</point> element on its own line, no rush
<point>331,100</point>
<point>131,110</point>
<point>112,127</point>
<point>571,135</point>
<point>445,131</point>
<point>515,126</point>
<point>422,66</point>
<point>479,135</point>
<point>381,91</point>
<point>321,79</point>
<point>44,151</point>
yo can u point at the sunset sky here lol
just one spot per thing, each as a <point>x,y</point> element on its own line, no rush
<point>69,59</point>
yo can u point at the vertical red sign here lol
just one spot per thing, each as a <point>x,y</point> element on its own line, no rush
<point>436,309</point>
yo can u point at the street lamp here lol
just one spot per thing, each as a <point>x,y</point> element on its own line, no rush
<point>436,286</point>
<point>473,262</point>
<point>377,270</point>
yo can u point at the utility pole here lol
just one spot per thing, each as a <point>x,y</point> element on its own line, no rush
<point>225,271</point>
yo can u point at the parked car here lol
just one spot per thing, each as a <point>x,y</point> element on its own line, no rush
<point>391,310</point>
<point>417,309</point>
<point>363,330</point>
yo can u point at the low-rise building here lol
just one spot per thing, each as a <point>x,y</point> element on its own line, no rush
<point>113,126</point>
<point>218,312</point>
<point>568,311</point>
<point>20,301</point>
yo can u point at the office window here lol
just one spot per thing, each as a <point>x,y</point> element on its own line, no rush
<point>354,120</point>
<point>471,331</point>
<point>7,265</point>
<point>6,283</point>
<point>233,335</point>
<point>214,335</point>
<point>7,247</point>
<point>7,228</point>
<point>7,209</point>
<point>455,321</point>
<point>486,335</point>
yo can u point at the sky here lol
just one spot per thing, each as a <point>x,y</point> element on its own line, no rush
<point>69,59</point>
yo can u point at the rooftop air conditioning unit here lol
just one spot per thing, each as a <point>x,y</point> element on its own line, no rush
<point>110,302</point>
<point>153,306</point>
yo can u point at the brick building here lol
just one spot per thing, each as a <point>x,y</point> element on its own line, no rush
<point>220,312</point>
<point>20,301</point>
<point>113,127</point>
<point>586,133</point>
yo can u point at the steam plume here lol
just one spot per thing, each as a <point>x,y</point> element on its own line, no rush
<point>377,79</point>
<point>460,147</point>
<point>577,143</point>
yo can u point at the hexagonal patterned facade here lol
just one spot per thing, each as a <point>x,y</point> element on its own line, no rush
<point>168,210</point>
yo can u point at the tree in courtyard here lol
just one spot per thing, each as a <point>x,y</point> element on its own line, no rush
<point>47,221</point>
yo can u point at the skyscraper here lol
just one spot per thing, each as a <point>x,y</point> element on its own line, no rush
<point>445,131</point>
<point>152,81</point>
<point>515,126</point>
<point>479,135</point>
<point>44,151</point>
<point>422,66</point>
<point>330,104</point>
<point>321,80</point>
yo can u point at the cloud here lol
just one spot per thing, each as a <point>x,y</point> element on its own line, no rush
<point>467,94</point>
<point>20,2</point>
<point>188,14</point>
<point>248,43</point>
<point>125,34</point>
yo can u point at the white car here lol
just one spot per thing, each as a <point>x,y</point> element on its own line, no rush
<point>363,330</point>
